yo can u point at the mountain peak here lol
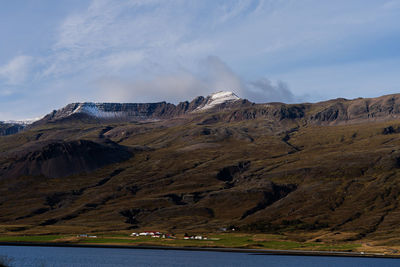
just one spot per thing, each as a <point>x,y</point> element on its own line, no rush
<point>219,98</point>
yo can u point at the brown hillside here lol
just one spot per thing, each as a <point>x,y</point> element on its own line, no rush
<point>332,166</point>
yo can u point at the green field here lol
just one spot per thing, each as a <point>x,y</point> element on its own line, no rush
<point>220,240</point>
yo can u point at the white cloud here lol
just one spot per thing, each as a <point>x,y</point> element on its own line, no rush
<point>221,77</point>
<point>16,70</point>
<point>263,90</point>
<point>181,86</point>
<point>211,76</point>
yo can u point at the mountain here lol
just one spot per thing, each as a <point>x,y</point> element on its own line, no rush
<point>313,171</point>
<point>139,111</point>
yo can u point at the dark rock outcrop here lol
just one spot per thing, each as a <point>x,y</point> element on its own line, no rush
<point>390,130</point>
<point>227,174</point>
<point>10,128</point>
<point>59,159</point>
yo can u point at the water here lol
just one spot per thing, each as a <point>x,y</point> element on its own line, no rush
<point>101,257</point>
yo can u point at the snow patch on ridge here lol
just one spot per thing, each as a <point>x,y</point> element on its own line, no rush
<point>95,110</point>
<point>22,122</point>
<point>219,98</point>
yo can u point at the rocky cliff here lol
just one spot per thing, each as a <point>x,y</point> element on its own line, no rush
<point>10,128</point>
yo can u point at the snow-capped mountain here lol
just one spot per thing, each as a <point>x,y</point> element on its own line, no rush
<point>142,111</point>
<point>218,98</point>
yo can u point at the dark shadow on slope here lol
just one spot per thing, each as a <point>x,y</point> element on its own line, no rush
<point>273,194</point>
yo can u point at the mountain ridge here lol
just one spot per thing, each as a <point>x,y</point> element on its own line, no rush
<point>334,111</point>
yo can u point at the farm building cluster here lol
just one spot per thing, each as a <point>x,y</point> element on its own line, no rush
<point>157,234</point>
<point>154,234</point>
<point>195,237</point>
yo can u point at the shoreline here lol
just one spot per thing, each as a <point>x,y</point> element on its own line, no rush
<point>212,249</point>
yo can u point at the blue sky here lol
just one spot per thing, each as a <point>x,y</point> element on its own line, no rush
<point>56,52</point>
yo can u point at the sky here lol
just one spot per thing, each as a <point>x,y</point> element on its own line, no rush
<point>56,52</point>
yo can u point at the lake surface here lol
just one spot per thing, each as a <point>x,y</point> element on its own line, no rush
<point>90,257</point>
